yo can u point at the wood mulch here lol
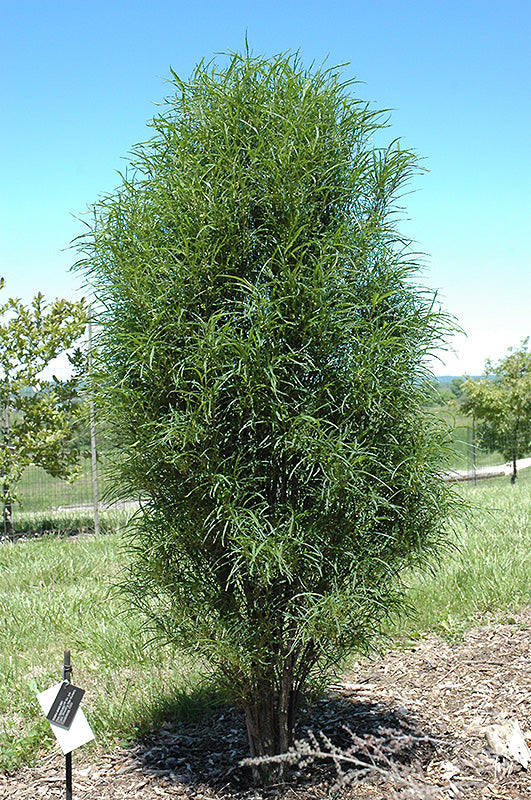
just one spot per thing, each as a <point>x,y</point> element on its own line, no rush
<point>421,713</point>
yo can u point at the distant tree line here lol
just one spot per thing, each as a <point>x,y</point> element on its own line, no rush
<point>442,391</point>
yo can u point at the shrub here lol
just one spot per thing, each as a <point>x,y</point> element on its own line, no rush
<point>261,359</point>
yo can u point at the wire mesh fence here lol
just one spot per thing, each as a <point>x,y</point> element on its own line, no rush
<point>46,504</point>
<point>475,454</point>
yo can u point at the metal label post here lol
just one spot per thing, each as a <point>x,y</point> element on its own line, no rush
<point>67,676</point>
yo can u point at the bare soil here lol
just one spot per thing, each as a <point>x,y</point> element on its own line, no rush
<point>418,713</point>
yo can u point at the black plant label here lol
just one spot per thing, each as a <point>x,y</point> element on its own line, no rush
<point>65,705</point>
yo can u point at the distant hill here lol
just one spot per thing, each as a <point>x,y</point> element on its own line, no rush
<point>443,380</point>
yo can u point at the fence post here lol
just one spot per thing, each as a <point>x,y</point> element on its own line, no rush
<point>474,449</point>
<point>93,451</point>
<point>7,511</point>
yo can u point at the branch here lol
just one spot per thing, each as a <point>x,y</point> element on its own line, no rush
<point>372,755</point>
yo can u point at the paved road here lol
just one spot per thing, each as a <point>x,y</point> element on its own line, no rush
<point>486,472</point>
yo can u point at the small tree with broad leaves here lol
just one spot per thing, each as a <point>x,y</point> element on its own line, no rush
<point>40,415</point>
<point>501,404</point>
<point>261,359</point>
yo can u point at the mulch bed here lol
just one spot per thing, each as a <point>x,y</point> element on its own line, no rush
<point>420,713</point>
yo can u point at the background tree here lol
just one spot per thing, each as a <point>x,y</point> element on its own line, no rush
<point>457,388</point>
<point>501,403</point>
<point>262,352</point>
<point>39,416</point>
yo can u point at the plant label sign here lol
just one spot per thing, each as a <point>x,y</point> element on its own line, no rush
<point>65,705</point>
<point>60,704</point>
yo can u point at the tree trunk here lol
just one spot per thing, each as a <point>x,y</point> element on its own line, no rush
<point>7,521</point>
<point>270,718</point>
<point>269,734</point>
<point>515,449</point>
<point>271,711</point>
<point>7,513</point>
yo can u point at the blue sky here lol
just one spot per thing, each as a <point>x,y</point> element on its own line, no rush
<point>80,80</point>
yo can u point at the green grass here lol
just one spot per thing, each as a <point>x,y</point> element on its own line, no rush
<point>55,594</point>
<point>488,572</point>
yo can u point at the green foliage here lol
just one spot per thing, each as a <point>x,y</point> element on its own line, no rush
<point>457,387</point>
<point>440,392</point>
<point>261,359</point>
<point>39,417</point>
<point>501,402</point>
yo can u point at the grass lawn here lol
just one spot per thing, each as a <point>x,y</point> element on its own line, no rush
<point>488,571</point>
<point>56,594</point>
